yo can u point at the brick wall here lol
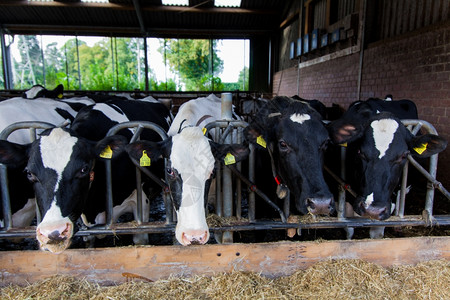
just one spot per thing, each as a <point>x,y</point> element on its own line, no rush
<point>414,66</point>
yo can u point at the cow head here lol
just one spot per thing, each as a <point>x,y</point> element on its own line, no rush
<point>60,166</point>
<point>295,136</point>
<point>381,145</point>
<point>191,159</point>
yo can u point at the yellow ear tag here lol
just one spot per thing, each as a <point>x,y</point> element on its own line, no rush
<point>421,148</point>
<point>343,145</point>
<point>60,96</point>
<point>204,130</point>
<point>229,159</point>
<point>145,160</point>
<point>106,153</point>
<point>260,141</point>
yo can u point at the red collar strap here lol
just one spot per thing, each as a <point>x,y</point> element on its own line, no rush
<point>277,179</point>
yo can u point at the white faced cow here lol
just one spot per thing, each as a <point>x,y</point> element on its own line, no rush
<point>191,164</point>
<point>61,167</point>
<point>19,110</point>
<point>295,137</point>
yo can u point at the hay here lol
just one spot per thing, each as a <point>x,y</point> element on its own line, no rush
<point>331,279</point>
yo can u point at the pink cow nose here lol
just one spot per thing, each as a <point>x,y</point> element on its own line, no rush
<point>194,237</point>
<point>54,233</point>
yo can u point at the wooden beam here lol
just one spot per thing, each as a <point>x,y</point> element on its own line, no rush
<point>107,265</point>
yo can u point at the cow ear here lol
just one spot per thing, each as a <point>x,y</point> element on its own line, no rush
<point>13,155</point>
<point>229,154</point>
<point>344,132</point>
<point>110,147</point>
<point>152,150</point>
<point>427,145</point>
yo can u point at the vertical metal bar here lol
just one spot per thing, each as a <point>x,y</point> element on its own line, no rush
<point>238,181</point>
<point>6,57</point>
<point>287,203</point>
<point>6,203</point>
<point>146,64</point>
<point>227,188</point>
<point>341,203</point>
<point>78,60</point>
<point>401,204</point>
<point>109,196</point>
<point>430,188</point>
<point>251,177</point>
<point>219,202</point>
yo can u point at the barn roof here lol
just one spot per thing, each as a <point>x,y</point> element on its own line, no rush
<point>142,18</point>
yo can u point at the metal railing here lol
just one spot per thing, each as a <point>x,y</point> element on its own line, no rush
<point>231,129</point>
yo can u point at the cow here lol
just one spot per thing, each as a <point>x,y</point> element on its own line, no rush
<point>17,109</point>
<point>38,91</point>
<point>61,165</point>
<point>192,158</point>
<point>378,147</point>
<point>295,137</point>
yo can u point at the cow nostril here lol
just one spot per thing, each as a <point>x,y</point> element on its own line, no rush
<point>310,203</point>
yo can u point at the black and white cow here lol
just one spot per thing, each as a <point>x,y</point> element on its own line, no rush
<point>379,145</point>
<point>38,91</point>
<point>295,137</point>
<point>61,166</point>
<point>192,159</point>
<point>19,110</point>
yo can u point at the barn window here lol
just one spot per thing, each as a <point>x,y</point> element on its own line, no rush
<point>119,64</point>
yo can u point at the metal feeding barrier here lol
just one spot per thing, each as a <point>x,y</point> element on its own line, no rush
<point>230,131</point>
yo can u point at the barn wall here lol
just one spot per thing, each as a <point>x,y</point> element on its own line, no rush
<point>415,65</point>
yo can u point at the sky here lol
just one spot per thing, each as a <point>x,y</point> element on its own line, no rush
<point>234,53</point>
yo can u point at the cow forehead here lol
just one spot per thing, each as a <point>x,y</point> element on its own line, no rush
<point>56,149</point>
<point>300,118</point>
<point>383,134</point>
<point>191,153</point>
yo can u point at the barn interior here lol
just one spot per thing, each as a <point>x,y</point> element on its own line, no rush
<point>333,51</point>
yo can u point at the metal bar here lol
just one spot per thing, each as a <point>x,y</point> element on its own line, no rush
<point>158,227</point>
<point>227,186</point>
<point>251,177</point>
<point>401,204</point>
<point>6,201</point>
<point>258,191</point>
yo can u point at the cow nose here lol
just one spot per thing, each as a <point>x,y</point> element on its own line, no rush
<point>373,212</point>
<point>53,233</point>
<point>320,206</point>
<point>195,237</point>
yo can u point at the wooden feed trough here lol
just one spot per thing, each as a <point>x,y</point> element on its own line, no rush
<point>112,265</point>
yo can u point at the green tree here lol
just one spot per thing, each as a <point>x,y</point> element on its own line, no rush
<point>30,70</point>
<point>194,62</point>
<point>243,79</point>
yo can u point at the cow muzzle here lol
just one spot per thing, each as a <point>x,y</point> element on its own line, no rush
<point>194,237</point>
<point>373,212</point>
<point>320,206</point>
<point>54,237</point>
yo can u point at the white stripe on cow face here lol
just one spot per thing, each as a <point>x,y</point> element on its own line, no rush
<point>191,156</point>
<point>56,149</point>
<point>383,134</point>
<point>369,201</point>
<point>300,118</point>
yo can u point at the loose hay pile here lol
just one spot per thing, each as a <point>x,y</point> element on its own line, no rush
<point>334,279</point>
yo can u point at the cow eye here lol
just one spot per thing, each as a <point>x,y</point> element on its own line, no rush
<point>84,170</point>
<point>170,172</point>
<point>31,177</point>
<point>283,145</point>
